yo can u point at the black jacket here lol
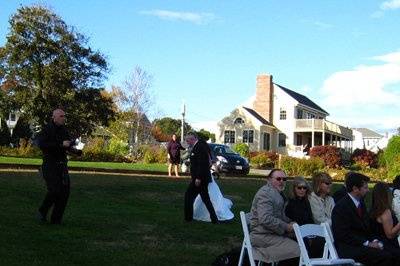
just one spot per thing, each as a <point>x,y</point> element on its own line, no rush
<point>299,210</point>
<point>348,228</point>
<point>50,141</point>
<point>200,162</point>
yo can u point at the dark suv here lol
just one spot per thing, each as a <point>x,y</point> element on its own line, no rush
<point>225,160</point>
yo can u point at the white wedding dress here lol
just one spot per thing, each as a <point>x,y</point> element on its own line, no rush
<point>222,206</point>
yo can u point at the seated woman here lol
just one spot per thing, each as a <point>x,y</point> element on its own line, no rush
<point>321,202</point>
<point>222,206</point>
<point>383,221</point>
<point>271,231</point>
<point>298,208</point>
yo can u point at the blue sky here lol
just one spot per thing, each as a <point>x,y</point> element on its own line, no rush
<point>344,55</point>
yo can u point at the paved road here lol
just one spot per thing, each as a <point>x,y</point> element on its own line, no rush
<point>259,172</point>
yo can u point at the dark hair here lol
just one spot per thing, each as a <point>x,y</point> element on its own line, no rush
<point>396,182</point>
<point>273,171</point>
<point>317,179</point>
<point>355,179</point>
<point>381,199</point>
<point>192,134</point>
<point>297,181</point>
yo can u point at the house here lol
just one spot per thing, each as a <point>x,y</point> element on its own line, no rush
<point>365,138</point>
<point>281,120</point>
<point>11,121</point>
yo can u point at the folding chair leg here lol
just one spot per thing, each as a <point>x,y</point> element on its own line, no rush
<point>241,254</point>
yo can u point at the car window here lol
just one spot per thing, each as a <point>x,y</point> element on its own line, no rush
<point>228,150</point>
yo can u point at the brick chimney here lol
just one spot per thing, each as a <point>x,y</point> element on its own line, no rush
<point>263,104</point>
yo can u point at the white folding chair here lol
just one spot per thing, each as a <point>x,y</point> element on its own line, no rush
<point>329,256</point>
<point>247,244</point>
<point>332,253</point>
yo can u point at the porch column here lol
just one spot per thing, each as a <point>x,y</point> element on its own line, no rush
<point>312,133</point>
<point>323,137</point>
<point>331,141</point>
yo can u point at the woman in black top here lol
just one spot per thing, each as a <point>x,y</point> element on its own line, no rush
<point>298,208</point>
<point>383,222</point>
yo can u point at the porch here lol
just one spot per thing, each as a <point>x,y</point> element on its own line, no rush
<point>314,132</point>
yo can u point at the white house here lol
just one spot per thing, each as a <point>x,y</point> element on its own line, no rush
<point>11,121</point>
<point>281,120</point>
<point>365,138</point>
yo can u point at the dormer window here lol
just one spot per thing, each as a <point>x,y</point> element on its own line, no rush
<point>238,121</point>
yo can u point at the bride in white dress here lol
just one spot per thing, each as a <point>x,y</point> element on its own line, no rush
<point>222,206</point>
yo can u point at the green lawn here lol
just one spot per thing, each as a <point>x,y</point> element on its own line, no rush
<point>104,165</point>
<point>114,220</point>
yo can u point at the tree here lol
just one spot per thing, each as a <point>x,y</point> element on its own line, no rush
<point>206,135</point>
<point>46,64</point>
<point>21,131</point>
<point>136,99</point>
<point>170,126</point>
<point>5,137</point>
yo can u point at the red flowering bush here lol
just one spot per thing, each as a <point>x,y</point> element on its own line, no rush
<point>364,158</point>
<point>329,154</point>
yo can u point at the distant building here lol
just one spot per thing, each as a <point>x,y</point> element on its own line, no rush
<point>365,138</point>
<point>281,120</point>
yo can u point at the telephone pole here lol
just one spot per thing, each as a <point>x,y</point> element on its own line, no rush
<point>183,121</point>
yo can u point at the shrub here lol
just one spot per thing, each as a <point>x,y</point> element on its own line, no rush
<point>364,158</point>
<point>329,154</point>
<point>118,147</point>
<point>25,149</point>
<point>301,167</point>
<point>381,158</point>
<point>263,159</point>
<point>242,149</point>
<point>153,154</point>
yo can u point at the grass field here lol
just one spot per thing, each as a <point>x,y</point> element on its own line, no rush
<point>114,220</point>
<point>104,165</point>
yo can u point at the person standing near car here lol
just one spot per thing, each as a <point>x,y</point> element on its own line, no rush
<point>174,148</point>
<point>200,163</point>
<point>54,141</point>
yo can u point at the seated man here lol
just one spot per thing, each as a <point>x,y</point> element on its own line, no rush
<point>269,226</point>
<point>350,226</point>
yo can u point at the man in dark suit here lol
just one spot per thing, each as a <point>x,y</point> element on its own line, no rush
<point>200,163</point>
<point>350,226</point>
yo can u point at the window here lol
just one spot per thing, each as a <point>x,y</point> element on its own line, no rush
<point>310,116</point>
<point>229,136</point>
<point>238,121</point>
<point>282,115</point>
<point>281,140</point>
<point>299,114</point>
<point>248,136</point>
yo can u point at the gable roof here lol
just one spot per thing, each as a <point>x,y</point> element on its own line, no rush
<point>257,116</point>
<point>368,133</point>
<point>302,99</point>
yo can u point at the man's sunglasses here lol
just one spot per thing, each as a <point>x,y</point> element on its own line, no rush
<point>281,178</point>
<point>301,187</point>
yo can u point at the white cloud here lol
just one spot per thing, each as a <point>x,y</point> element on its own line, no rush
<point>367,95</point>
<point>393,4</point>
<point>196,18</point>
<point>364,84</point>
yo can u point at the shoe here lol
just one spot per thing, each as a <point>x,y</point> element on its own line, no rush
<point>40,217</point>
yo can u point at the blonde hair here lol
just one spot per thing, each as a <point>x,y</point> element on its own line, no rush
<point>319,178</point>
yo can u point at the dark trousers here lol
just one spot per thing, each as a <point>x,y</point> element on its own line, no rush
<point>191,194</point>
<point>58,186</point>
<point>368,256</point>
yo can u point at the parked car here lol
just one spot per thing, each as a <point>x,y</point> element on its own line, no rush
<point>224,161</point>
